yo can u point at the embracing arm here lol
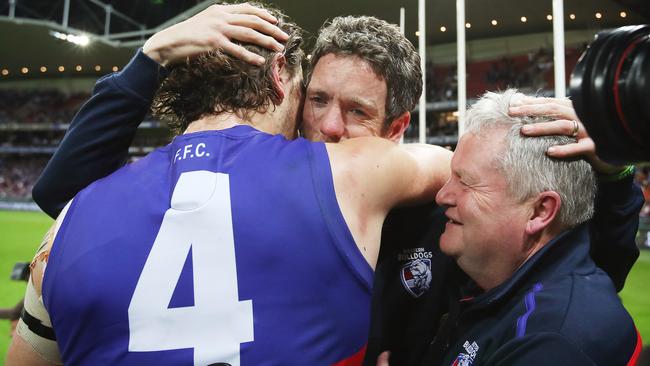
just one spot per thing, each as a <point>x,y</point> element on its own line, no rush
<point>99,136</point>
<point>384,174</point>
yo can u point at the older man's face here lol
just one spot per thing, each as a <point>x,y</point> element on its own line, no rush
<point>486,225</point>
<point>344,99</point>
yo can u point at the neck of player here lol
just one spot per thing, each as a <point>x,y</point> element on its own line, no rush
<point>265,122</point>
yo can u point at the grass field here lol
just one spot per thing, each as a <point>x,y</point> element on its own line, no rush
<point>21,233</point>
<point>636,296</point>
<point>20,236</point>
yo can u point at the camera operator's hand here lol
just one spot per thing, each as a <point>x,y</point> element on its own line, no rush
<point>566,123</point>
<point>215,28</point>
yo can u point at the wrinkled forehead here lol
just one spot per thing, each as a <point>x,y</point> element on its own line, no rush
<point>349,76</point>
<point>323,65</point>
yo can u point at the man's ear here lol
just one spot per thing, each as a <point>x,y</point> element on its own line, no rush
<point>545,208</point>
<point>278,77</point>
<point>397,127</point>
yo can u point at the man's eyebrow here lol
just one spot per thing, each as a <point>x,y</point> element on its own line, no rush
<point>316,90</point>
<point>369,104</point>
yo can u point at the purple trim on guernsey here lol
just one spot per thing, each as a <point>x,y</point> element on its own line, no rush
<point>529,300</point>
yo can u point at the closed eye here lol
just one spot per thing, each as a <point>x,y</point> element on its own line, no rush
<point>317,99</point>
<point>359,113</point>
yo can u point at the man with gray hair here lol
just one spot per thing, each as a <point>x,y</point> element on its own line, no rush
<point>517,228</point>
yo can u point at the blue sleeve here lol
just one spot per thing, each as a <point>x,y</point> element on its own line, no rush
<point>98,139</point>
<point>613,228</point>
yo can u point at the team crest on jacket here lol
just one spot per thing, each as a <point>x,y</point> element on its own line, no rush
<point>463,359</point>
<point>467,359</point>
<point>416,276</point>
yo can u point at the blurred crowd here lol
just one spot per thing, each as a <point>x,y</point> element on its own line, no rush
<point>39,106</point>
<point>31,139</point>
<point>18,174</point>
<point>530,72</point>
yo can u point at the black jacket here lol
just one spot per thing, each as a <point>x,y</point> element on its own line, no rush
<point>557,309</point>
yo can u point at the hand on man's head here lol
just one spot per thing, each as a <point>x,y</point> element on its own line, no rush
<point>219,27</point>
<point>566,123</point>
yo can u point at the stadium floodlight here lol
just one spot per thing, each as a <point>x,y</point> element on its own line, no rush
<point>80,40</point>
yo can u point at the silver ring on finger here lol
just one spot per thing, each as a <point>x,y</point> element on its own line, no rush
<point>576,127</point>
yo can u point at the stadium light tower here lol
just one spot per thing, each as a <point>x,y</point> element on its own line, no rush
<point>422,44</point>
<point>558,48</point>
<point>461,75</point>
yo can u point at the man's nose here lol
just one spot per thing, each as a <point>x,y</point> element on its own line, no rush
<point>332,126</point>
<point>445,196</point>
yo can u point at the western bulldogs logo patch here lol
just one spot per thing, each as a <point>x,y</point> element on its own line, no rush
<point>463,360</point>
<point>467,359</point>
<point>416,276</point>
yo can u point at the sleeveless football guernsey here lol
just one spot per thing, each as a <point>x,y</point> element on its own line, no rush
<point>223,248</point>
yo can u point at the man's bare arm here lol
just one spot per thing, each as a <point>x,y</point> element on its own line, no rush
<point>34,343</point>
<point>391,174</point>
<point>373,175</point>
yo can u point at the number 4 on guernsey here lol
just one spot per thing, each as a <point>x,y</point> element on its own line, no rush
<point>200,219</point>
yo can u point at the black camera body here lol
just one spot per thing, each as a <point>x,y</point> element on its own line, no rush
<point>20,271</point>
<point>610,89</point>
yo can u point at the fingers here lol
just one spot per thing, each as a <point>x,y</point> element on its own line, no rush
<point>248,35</point>
<point>246,8</point>
<point>249,16</point>
<point>382,360</point>
<point>218,27</point>
<point>544,100</point>
<point>242,53</point>
<point>260,25</point>
<point>550,109</point>
<point>566,123</point>
<point>583,148</point>
<point>557,127</point>
<point>247,24</point>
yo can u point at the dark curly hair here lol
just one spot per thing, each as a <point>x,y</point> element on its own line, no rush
<point>383,46</point>
<point>214,83</point>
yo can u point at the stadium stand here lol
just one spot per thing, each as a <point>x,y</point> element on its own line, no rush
<point>32,122</point>
<point>39,106</point>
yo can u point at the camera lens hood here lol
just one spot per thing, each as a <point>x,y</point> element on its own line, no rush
<point>609,89</point>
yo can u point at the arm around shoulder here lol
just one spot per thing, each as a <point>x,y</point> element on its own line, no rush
<point>99,136</point>
<point>393,174</point>
<point>430,168</point>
